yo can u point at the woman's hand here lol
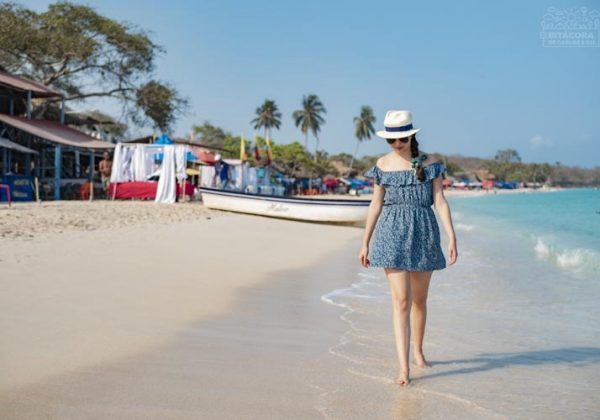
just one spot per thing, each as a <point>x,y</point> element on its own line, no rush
<point>362,256</point>
<point>452,252</point>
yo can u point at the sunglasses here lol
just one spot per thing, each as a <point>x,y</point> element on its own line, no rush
<point>402,140</point>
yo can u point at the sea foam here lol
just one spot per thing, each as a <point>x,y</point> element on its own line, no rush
<point>579,260</point>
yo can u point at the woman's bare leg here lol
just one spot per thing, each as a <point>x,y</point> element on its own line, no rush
<point>419,282</point>
<point>401,298</point>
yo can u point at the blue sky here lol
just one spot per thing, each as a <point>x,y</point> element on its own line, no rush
<point>474,74</point>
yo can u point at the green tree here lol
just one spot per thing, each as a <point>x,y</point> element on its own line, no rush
<point>507,156</point>
<point>291,156</point>
<point>267,117</point>
<point>363,129</point>
<point>83,54</point>
<point>506,165</point>
<point>310,118</point>
<point>453,168</point>
<point>210,135</point>
<point>160,103</point>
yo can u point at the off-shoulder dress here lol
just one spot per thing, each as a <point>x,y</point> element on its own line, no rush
<point>407,235</point>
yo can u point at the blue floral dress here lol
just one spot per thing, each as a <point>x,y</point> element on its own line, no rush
<point>407,235</point>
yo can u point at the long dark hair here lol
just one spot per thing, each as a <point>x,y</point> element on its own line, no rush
<point>414,152</point>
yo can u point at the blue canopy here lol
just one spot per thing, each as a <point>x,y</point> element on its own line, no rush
<point>164,139</point>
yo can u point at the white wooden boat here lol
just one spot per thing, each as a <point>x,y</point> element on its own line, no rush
<point>296,208</point>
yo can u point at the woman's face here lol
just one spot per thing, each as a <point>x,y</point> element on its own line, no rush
<point>399,146</point>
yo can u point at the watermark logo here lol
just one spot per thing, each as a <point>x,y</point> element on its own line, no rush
<point>570,28</point>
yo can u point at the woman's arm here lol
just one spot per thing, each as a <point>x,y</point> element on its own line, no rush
<point>443,209</point>
<point>372,216</point>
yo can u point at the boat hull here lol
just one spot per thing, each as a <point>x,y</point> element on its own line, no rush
<point>294,208</point>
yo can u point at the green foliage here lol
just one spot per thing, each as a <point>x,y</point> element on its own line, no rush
<point>363,129</point>
<point>267,117</point>
<point>295,160</point>
<point>321,164</point>
<point>453,168</point>
<point>506,165</point>
<point>210,135</point>
<point>507,156</point>
<point>232,146</point>
<point>363,124</point>
<point>83,54</point>
<point>310,118</point>
<point>293,157</point>
<point>345,158</point>
<point>160,104</point>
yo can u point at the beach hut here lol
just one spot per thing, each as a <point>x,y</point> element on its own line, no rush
<point>64,157</point>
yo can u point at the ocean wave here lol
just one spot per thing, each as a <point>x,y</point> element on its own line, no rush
<point>580,260</point>
<point>464,226</point>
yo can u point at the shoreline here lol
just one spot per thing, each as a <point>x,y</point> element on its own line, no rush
<point>447,193</point>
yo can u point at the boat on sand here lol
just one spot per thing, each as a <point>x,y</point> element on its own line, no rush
<point>347,211</point>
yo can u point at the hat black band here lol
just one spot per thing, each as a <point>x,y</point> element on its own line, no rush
<point>403,128</point>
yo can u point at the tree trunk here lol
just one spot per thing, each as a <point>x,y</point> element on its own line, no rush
<point>316,147</point>
<point>353,156</point>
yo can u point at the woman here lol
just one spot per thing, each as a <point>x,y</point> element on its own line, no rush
<point>406,240</point>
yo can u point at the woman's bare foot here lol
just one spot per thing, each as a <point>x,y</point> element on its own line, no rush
<point>420,360</point>
<point>403,379</point>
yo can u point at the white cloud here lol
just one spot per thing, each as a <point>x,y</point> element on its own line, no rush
<point>538,141</point>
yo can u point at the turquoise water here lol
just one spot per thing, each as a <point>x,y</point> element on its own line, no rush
<point>561,227</point>
<point>513,328</point>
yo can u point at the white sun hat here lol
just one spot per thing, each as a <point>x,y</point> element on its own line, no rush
<point>397,124</point>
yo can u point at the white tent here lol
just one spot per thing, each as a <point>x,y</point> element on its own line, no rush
<point>136,162</point>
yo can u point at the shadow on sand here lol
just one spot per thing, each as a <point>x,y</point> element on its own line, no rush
<point>576,356</point>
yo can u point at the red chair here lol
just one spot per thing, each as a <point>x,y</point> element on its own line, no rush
<point>6,189</point>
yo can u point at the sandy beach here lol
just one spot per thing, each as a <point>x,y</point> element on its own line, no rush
<point>98,293</point>
<point>178,312</point>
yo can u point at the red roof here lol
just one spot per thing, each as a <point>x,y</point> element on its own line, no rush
<point>56,132</point>
<point>21,84</point>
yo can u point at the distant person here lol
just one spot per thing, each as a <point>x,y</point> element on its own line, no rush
<point>407,237</point>
<point>105,168</point>
<point>222,172</point>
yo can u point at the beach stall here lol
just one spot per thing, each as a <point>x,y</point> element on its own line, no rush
<point>150,172</point>
<point>64,157</point>
<point>60,157</point>
<point>238,175</point>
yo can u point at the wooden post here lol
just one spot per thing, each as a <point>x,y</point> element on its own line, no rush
<point>57,171</point>
<point>29,104</point>
<point>77,164</point>
<point>62,109</point>
<point>42,159</point>
<point>92,168</point>
<point>4,161</point>
<point>37,190</point>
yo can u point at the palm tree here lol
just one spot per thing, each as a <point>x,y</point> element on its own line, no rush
<point>267,117</point>
<point>363,129</point>
<point>309,118</point>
